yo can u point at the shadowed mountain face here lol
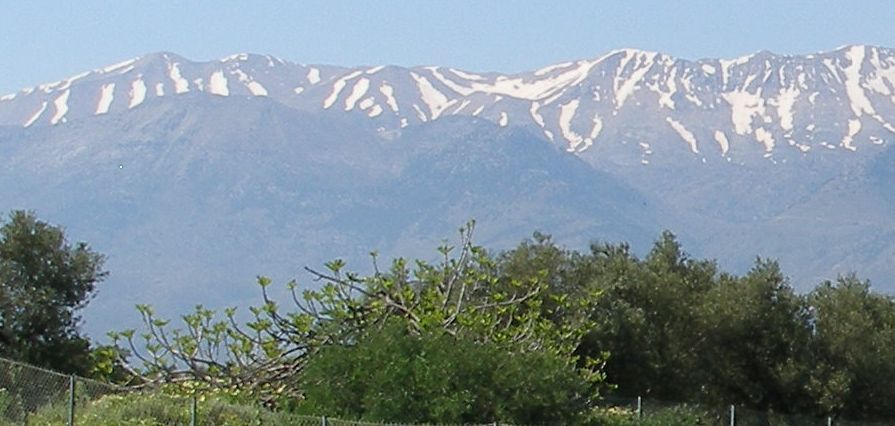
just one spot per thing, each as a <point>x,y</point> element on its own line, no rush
<point>196,177</point>
<point>191,199</point>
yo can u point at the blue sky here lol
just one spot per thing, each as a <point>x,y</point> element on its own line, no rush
<point>44,41</point>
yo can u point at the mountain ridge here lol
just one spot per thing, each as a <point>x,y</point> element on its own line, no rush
<point>776,106</point>
<point>193,193</point>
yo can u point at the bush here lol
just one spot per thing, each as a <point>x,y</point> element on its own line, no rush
<point>392,375</point>
<point>677,415</point>
<point>159,409</point>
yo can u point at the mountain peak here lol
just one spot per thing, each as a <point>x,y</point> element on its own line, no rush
<point>778,107</point>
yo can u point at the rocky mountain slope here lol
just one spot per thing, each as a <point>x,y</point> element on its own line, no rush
<point>195,177</point>
<point>714,108</point>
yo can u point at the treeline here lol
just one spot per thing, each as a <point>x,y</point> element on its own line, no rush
<point>538,334</point>
<point>679,329</point>
<point>555,330</point>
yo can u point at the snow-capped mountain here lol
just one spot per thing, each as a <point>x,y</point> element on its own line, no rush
<point>778,106</point>
<point>194,177</point>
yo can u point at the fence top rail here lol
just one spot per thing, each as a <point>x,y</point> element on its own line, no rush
<point>33,367</point>
<point>61,375</point>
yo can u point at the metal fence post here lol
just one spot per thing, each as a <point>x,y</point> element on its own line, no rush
<point>193,411</point>
<point>71,400</point>
<point>323,421</point>
<point>733,415</point>
<point>829,420</point>
<point>639,408</point>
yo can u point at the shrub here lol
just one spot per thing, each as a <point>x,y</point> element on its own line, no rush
<point>159,409</point>
<point>392,375</point>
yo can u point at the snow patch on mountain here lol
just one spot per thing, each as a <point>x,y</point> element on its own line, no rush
<point>338,86</point>
<point>721,138</point>
<point>432,97</point>
<point>36,115</point>
<point>854,126</point>
<point>859,102</point>
<point>462,90</point>
<point>536,114</point>
<point>217,84</point>
<point>550,68</point>
<point>766,138</point>
<point>389,92</point>
<point>255,88</point>
<point>359,90</point>
<point>594,131</point>
<point>728,64</point>
<point>119,66</point>
<point>137,93</point>
<point>466,75</point>
<point>181,85</point>
<point>743,107</point>
<point>61,104</point>
<point>236,57</point>
<point>530,89</point>
<point>420,114</point>
<point>366,103</point>
<point>313,76</point>
<point>685,134</point>
<point>665,97</point>
<point>785,102</point>
<point>107,95</point>
<point>625,86</point>
<point>566,114</point>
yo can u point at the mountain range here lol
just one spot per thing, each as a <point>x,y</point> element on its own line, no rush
<point>196,176</point>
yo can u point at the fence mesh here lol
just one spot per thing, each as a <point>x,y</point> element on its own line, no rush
<point>36,396</point>
<point>657,412</point>
<point>25,389</point>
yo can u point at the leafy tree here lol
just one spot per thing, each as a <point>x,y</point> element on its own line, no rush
<point>44,281</point>
<point>853,349</point>
<point>462,296</point>
<point>395,375</point>
<point>645,318</point>
<point>754,336</point>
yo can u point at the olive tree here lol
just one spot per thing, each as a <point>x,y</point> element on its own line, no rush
<point>44,282</point>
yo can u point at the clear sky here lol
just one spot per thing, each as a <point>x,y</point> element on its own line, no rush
<point>44,41</point>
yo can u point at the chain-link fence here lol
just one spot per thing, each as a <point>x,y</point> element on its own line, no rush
<point>658,412</point>
<point>26,390</point>
<point>37,396</point>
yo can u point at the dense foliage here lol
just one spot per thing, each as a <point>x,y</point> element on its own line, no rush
<point>535,334</point>
<point>160,409</point>
<point>665,326</point>
<point>679,329</point>
<point>463,301</point>
<point>392,375</point>
<point>44,281</point>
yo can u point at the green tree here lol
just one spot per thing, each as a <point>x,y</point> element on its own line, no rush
<point>754,338</point>
<point>853,350</point>
<point>44,281</point>
<point>396,375</point>
<point>645,317</point>
<point>463,296</point>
